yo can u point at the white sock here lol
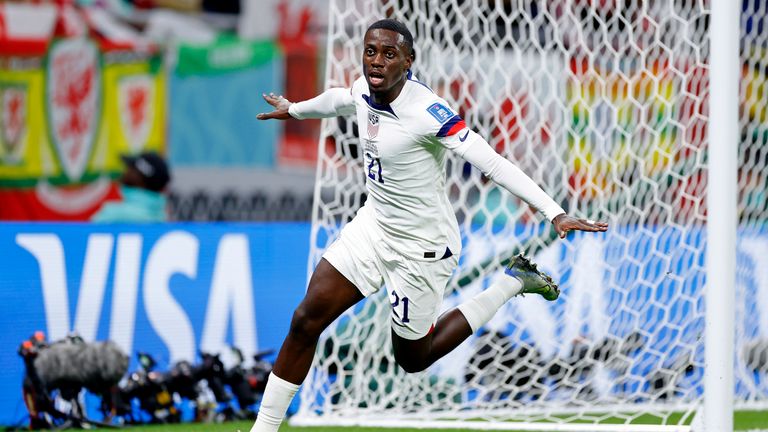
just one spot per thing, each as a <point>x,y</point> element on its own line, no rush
<point>480,309</point>
<point>277,396</point>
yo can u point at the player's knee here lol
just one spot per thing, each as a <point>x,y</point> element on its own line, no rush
<point>413,367</point>
<point>410,364</point>
<point>305,325</point>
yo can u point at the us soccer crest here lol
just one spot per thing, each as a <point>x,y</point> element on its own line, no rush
<point>72,98</point>
<point>373,124</point>
<point>135,95</point>
<point>14,121</point>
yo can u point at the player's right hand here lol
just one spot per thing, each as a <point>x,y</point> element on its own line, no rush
<point>281,105</point>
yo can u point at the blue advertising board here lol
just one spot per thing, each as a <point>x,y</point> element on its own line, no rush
<point>171,290</point>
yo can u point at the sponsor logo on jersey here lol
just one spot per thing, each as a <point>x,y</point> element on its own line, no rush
<point>73,102</point>
<point>135,96</point>
<point>13,121</point>
<point>440,112</point>
<point>464,138</point>
<point>373,124</point>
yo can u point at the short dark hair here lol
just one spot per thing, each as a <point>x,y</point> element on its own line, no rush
<point>398,27</point>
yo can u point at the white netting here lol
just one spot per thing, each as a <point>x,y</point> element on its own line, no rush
<point>604,104</point>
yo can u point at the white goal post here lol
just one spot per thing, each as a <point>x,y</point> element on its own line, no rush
<point>613,107</point>
<point>721,218</point>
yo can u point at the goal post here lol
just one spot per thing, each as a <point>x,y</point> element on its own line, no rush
<point>607,105</point>
<point>721,218</point>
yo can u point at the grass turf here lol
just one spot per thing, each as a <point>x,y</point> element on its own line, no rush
<point>743,421</point>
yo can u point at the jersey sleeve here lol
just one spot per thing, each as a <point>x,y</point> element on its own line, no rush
<point>446,127</point>
<point>449,129</point>
<point>330,103</point>
<point>476,150</point>
<point>440,120</point>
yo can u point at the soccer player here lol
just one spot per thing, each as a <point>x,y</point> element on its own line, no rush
<point>406,236</point>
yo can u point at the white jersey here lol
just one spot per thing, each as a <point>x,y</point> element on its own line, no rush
<point>404,149</point>
<point>404,146</point>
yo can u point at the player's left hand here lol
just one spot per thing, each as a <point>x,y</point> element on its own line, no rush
<point>564,223</point>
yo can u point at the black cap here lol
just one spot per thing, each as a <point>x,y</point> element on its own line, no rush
<point>152,167</point>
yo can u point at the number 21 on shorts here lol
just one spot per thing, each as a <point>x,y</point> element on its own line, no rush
<point>398,300</point>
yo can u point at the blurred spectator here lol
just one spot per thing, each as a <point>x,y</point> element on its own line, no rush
<point>215,6</point>
<point>164,26</point>
<point>142,186</point>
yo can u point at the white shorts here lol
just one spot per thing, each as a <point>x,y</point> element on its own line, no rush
<point>415,288</point>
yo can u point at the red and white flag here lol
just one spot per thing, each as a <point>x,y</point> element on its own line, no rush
<point>14,119</point>
<point>73,102</point>
<point>135,96</point>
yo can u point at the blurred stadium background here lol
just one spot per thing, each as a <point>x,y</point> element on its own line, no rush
<point>83,82</point>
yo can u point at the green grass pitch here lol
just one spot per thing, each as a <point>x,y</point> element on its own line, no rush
<point>743,421</point>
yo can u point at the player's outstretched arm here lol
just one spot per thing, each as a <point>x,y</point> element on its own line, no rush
<point>330,103</point>
<point>564,223</point>
<point>474,149</point>
<point>280,104</point>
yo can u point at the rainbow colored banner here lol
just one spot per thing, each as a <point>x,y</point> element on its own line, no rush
<point>66,118</point>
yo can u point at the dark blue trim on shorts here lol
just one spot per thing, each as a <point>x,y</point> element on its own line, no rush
<point>446,254</point>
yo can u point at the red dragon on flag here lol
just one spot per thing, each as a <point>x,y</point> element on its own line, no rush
<point>13,121</point>
<point>136,100</point>
<point>73,98</point>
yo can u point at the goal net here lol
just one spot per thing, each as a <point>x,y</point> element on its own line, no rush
<point>604,103</point>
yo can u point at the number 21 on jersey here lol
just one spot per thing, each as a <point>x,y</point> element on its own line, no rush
<point>374,168</point>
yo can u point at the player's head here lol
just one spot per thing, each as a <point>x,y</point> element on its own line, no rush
<point>398,27</point>
<point>387,56</point>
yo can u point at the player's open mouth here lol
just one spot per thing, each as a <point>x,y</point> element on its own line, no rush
<point>375,78</point>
